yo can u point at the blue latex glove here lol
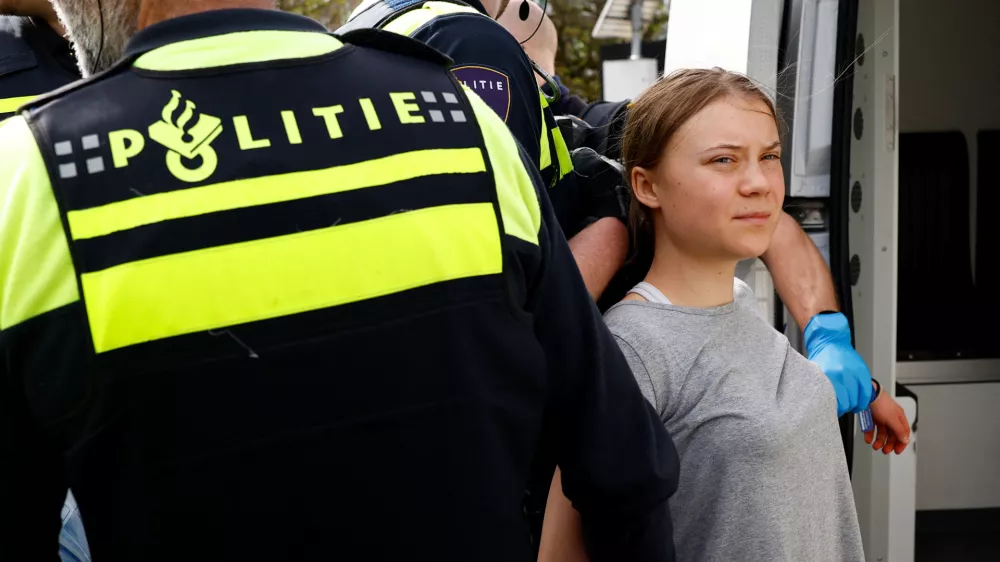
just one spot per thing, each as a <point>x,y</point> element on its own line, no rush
<point>828,342</point>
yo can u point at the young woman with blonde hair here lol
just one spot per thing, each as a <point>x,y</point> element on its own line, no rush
<point>763,472</point>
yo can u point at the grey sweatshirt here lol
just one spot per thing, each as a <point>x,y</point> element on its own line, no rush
<point>763,473</point>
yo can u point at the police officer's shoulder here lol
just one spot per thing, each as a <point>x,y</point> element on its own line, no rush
<point>517,179</point>
<point>478,28</point>
<point>19,156</point>
<point>15,51</point>
<point>394,43</point>
<point>12,132</point>
<point>40,101</point>
<point>475,41</point>
<point>32,219</point>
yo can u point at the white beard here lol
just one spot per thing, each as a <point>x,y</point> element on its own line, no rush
<point>82,20</point>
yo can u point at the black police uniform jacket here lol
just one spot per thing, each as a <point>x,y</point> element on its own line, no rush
<point>34,60</point>
<point>270,295</point>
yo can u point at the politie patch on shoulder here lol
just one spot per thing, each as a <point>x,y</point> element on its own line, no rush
<point>488,83</point>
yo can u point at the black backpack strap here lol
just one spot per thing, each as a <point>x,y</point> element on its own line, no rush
<point>381,12</point>
<point>373,17</point>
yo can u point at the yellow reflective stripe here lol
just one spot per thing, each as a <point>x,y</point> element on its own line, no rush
<point>250,281</point>
<point>545,151</point>
<point>11,105</point>
<point>238,48</point>
<point>562,152</point>
<point>132,213</point>
<point>445,8</point>
<point>36,272</point>
<point>516,194</point>
<point>410,21</point>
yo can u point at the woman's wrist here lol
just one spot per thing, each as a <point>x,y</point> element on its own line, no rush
<point>877,390</point>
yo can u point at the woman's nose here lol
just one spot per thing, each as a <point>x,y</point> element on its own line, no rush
<point>755,182</point>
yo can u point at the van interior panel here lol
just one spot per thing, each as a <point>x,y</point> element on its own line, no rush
<point>934,248</point>
<point>988,227</point>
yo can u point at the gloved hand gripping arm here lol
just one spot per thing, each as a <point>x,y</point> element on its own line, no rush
<point>828,343</point>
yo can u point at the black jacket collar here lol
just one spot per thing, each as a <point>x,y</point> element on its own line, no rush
<point>217,22</point>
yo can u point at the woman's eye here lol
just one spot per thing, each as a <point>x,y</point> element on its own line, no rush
<point>723,160</point>
<point>772,157</point>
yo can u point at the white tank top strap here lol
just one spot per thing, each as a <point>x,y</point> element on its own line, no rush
<point>650,293</point>
<point>739,284</point>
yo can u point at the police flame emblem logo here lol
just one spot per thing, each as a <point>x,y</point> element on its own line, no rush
<point>187,138</point>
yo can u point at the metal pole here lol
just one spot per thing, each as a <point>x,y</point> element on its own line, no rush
<point>635,9</point>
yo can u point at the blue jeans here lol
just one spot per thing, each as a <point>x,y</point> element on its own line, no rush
<point>72,540</point>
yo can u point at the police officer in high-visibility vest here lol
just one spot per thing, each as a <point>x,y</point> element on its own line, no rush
<point>270,294</point>
<point>489,61</point>
<point>34,57</point>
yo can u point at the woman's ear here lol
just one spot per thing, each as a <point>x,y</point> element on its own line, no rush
<point>642,185</point>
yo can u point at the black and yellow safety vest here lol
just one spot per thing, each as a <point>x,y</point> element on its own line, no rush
<point>265,294</point>
<point>406,17</point>
<point>34,60</point>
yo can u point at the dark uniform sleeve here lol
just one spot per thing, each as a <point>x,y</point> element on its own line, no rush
<point>31,489</point>
<point>32,486</point>
<point>618,464</point>
<point>608,122</point>
<point>568,102</point>
<point>28,68</point>
<point>485,52</point>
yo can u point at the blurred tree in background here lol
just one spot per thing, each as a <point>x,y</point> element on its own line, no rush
<point>578,61</point>
<point>331,13</point>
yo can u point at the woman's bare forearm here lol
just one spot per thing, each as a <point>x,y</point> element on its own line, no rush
<point>562,532</point>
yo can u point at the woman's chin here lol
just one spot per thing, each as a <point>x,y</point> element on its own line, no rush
<point>748,251</point>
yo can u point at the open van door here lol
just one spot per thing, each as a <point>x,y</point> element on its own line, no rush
<point>838,89</point>
<point>872,234</point>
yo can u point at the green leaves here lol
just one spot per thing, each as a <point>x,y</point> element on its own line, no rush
<point>331,13</point>
<point>578,61</point>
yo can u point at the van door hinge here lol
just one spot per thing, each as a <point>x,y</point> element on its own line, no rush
<point>890,112</point>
